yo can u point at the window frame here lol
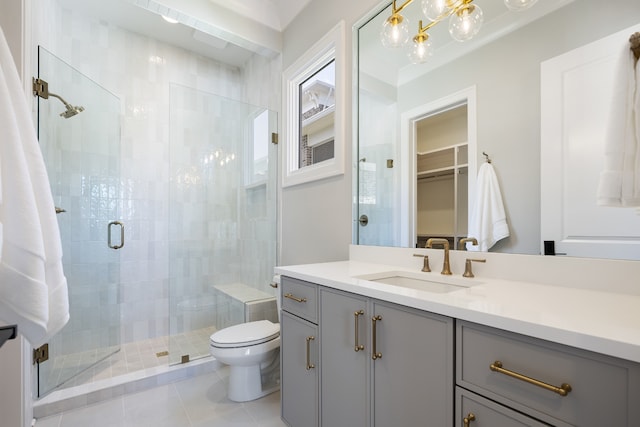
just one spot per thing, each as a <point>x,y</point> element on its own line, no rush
<point>327,49</point>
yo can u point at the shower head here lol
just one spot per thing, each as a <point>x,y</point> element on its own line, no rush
<point>41,89</point>
<point>71,110</point>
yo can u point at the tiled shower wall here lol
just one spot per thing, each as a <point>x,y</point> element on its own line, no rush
<point>140,70</point>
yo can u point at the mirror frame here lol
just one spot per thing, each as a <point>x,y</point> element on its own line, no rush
<point>330,47</point>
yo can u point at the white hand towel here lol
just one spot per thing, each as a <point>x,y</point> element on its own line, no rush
<point>33,288</point>
<point>620,179</point>
<point>488,220</point>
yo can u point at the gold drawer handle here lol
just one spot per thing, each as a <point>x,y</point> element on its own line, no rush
<point>375,355</point>
<point>358,346</point>
<point>290,296</point>
<point>309,364</point>
<point>563,390</point>
<point>467,420</point>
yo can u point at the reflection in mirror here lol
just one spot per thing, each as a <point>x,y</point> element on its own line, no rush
<point>441,156</point>
<point>503,62</point>
<point>317,116</point>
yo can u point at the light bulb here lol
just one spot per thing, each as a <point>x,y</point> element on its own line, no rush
<point>466,22</point>
<point>421,49</point>
<point>395,31</point>
<point>434,9</point>
<point>519,5</point>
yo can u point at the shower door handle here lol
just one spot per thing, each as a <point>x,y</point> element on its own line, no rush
<point>111,224</point>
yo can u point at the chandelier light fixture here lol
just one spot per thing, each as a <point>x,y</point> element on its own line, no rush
<point>465,20</point>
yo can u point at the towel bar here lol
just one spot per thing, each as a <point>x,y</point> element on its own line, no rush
<point>8,333</point>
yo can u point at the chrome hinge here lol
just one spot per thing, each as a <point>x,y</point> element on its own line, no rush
<point>41,354</point>
<point>274,138</point>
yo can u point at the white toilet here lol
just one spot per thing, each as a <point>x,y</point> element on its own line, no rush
<point>252,351</point>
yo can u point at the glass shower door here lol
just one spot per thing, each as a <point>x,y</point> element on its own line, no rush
<point>79,132</point>
<point>222,215</point>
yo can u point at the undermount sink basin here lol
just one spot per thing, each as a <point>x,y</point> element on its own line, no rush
<point>418,281</point>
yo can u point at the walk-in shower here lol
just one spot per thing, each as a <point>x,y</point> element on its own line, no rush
<point>197,194</point>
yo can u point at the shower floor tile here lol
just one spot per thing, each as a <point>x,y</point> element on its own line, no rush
<point>133,356</point>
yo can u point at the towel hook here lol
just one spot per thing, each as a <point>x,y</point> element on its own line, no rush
<point>487,159</point>
<point>635,45</point>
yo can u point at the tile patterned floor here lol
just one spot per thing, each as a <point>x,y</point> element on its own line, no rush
<point>195,402</point>
<point>134,356</point>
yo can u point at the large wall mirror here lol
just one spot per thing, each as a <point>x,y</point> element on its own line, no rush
<point>501,75</point>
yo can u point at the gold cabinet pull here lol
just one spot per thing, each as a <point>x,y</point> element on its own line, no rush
<point>309,364</point>
<point>290,296</point>
<point>375,354</point>
<point>563,390</point>
<point>356,315</point>
<point>466,421</point>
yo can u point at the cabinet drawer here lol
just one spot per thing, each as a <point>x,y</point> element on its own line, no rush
<point>300,298</point>
<point>605,391</point>
<point>482,412</point>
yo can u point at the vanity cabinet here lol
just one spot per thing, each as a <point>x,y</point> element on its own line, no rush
<point>299,353</point>
<point>383,364</point>
<point>353,360</point>
<point>555,384</point>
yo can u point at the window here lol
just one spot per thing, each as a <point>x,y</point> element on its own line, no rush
<point>314,112</point>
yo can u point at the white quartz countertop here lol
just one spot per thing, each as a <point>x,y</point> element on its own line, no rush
<point>604,322</point>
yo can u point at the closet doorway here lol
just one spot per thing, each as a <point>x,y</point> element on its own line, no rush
<point>442,176</point>
<point>441,148</point>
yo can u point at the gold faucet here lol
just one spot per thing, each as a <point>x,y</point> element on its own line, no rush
<point>462,244</point>
<point>446,269</point>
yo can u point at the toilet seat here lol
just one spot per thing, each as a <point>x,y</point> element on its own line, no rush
<point>245,334</point>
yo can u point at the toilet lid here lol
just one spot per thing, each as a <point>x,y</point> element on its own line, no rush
<point>246,334</point>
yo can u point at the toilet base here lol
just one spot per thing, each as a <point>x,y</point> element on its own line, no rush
<point>245,384</point>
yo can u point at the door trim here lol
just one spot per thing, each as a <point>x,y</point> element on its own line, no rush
<point>408,186</point>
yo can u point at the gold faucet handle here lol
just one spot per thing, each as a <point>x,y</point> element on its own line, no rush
<point>425,264</point>
<point>468,272</point>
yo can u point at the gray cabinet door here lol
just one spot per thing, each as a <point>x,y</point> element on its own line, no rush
<point>413,377</point>
<point>345,371</point>
<point>299,381</point>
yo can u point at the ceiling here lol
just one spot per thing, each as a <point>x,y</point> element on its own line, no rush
<point>229,31</point>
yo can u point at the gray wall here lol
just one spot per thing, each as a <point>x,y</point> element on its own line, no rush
<point>507,77</point>
<point>316,217</point>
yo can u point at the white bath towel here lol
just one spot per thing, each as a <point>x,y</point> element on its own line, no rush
<point>488,222</point>
<point>620,178</point>
<point>33,288</point>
